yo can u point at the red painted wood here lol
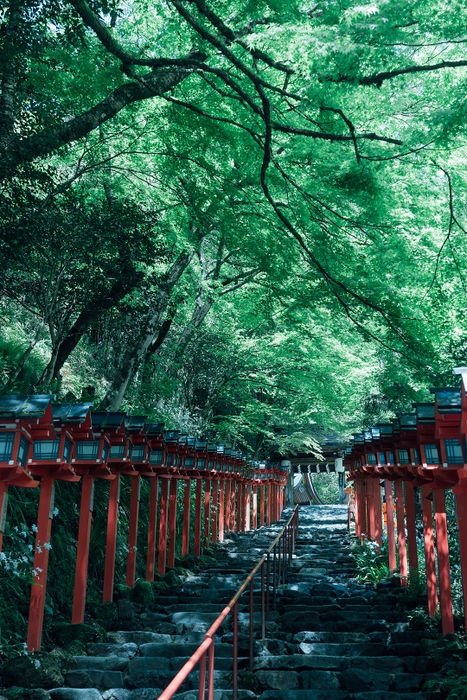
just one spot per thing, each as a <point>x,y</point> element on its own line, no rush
<point>111,540</point>
<point>162,549</point>
<point>3,495</point>
<point>41,562</point>
<point>411,531</point>
<point>239,506</point>
<point>247,507</point>
<point>363,511</point>
<point>255,506</point>
<point>261,505</point>
<point>133,531</point>
<point>228,498</point>
<point>232,506</point>
<point>172,522</point>
<point>82,553</point>
<point>197,537</point>
<point>207,509</point>
<point>429,545</point>
<point>370,490</point>
<point>186,518</point>
<point>401,544</point>
<point>215,509</point>
<point>221,510</point>
<point>390,525</point>
<point>461,502</point>
<point>357,496</point>
<point>151,555</point>
<point>444,577</point>
<point>378,512</point>
<point>268,504</point>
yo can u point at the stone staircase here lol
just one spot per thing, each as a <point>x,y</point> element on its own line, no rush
<point>329,637</point>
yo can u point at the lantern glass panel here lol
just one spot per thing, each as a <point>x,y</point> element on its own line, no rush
<point>156,457</point>
<point>23,451</point>
<point>416,456</point>
<point>46,449</point>
<point>117,451</point>
<point>371,458</point>
<point>391,457</point>
<point>454,452</point>
<point>6,446</point>
<point>211,464</point>
<point>87,450</point>
<point>431,454</point>
<point>357,464</point>
<point>382,458</point>
<point>201,463</point>
<point>105,452</point>
<point>67,450</point>
<point>137,453</point>
<point>403,457</point>
<point>189,462</point>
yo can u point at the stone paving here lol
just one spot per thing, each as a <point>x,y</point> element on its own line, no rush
<point>329,638</point>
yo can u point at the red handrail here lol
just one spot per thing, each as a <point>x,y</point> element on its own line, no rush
<point>286,537</point>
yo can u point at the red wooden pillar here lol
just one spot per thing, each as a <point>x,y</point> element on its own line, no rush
<point>447,621</point>
<point>111,540</point>
<point>378,512</point>
<point>430,566</point>
<point>255,506</point>
<point>239,506</point>
<point>162,549</point>
<point>247,507</point>
<point>197,538</point>
<point>370,489</point>
<point>390,521</point>
<point>151,555</point>
<point>356,513</point>
<point>228,487</point>
<point>401,544</point>
<point>461,503</point>
<point>41,562</point>
<point>207,509</point>
<point>133,531</point>
<point>172,522</point>
<point>215,507</point>
<point>186,518</point>
<point>233,506</point>
<point>221,509</point>
<point>268,504</point>
<point>82,553</point>
<point>362,511</point>
<point>411,531</point>
<point>3,509</point>
<point>261,505</point>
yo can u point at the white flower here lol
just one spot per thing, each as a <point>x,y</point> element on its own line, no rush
<point>34,528</point>
<point>47,545</point>
<point>55,512</point>
<point>37,663</point>
<point>39,549</point>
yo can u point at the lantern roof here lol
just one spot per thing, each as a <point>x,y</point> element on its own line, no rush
<point>368,437</point>
<point>375,432</point>
<point>359,438</point>
<point>201,445</point>
<point>212,447</point>
<point>408,421</point>
<point>107,420</point>
<point>135,424</point>
<point>182,439</point>
<point>154,429</point>
<point>71,412</point>
<point>220,449</point>
<point>386,429</point>
<point>31,406</point>
<point>396,425</point>
<point>448,399</point>
<point>191,441</point>
<point>171,436</point>
<point>425,412</point>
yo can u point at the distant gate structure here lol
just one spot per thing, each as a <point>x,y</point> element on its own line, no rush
<point>304,492</point>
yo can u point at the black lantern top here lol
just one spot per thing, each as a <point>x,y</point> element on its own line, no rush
<point>448,399</point>
<point>425,412</point>
<point>34,406</point>
<point>75,413</point>
<point>107,420</point>
<point>408,421</point>
<point>135,424</point>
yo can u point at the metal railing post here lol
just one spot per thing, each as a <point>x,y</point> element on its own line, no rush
<point>268,572</point>
<point>263,605</point>
<point>252,642</point>
<point>211,657</point>
<point>235,651</point>
<point>202,677</point>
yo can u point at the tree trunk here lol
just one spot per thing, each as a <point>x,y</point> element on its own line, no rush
<point>114,397</point>
<point>89,314</point>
